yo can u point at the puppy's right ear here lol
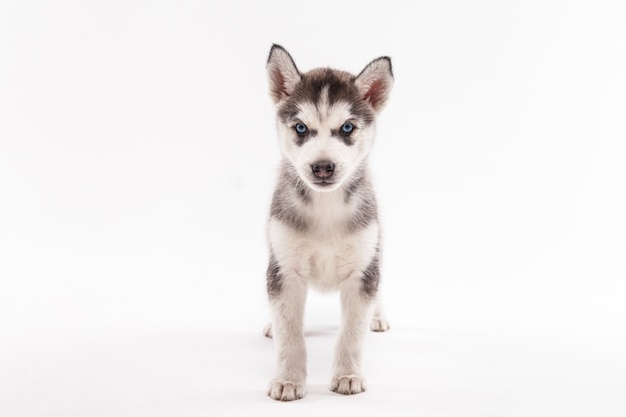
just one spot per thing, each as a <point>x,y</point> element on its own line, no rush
<point>282,73</point>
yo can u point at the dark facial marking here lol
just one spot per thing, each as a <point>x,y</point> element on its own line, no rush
<point>362,112</point>
<point>341,88</point>
<point>288,111</point>
<point>301,139</point>
<point>347,139</point>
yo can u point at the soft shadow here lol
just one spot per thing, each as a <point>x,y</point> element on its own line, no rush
<point>321,332</point>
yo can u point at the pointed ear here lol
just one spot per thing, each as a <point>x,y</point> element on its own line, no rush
<point>375,81</point>
<point>282,73</point>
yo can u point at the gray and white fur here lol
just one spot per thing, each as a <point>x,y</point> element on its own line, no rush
<point>323,230</point>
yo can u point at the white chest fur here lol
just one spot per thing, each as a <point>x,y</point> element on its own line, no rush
<point>325,254</point>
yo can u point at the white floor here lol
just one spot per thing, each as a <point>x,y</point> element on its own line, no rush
<point>133,331</point>
<point>137,158</point>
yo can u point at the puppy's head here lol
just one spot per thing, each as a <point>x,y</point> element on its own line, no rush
<point>326,118</point>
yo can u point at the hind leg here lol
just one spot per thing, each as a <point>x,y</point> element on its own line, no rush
<point>379,320</point>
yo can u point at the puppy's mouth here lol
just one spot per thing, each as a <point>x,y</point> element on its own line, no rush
<point>324,182</point>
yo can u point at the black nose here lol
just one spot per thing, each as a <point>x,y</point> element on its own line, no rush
<point>323,169</point>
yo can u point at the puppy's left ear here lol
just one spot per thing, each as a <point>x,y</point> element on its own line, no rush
<point>375,82</point>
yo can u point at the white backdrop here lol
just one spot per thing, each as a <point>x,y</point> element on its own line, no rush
<point>137,159</point>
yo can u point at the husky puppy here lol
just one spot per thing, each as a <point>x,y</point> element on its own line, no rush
<point>323,229</point>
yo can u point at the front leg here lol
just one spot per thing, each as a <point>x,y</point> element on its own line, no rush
<point>287,294</point>
<point>357,307</point>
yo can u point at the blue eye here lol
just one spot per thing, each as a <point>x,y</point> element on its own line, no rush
<point>347,128</point>
<point>301,128</point>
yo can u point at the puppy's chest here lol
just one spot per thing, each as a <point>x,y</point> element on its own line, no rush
<point>326,251</point>
<point>331,261</point>
<point>331,254</point>
<point>327,212</point>
<point>324,259</point>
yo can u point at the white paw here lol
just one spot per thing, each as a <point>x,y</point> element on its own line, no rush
<point>286,390</point>
<point>348,384</point>
<point>267,332</point>
<point>379,324</point>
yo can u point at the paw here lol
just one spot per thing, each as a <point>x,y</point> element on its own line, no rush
<point>348,384</point>
<point>267,332</point>
<point>379,324</point>
<point>286,390</point>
